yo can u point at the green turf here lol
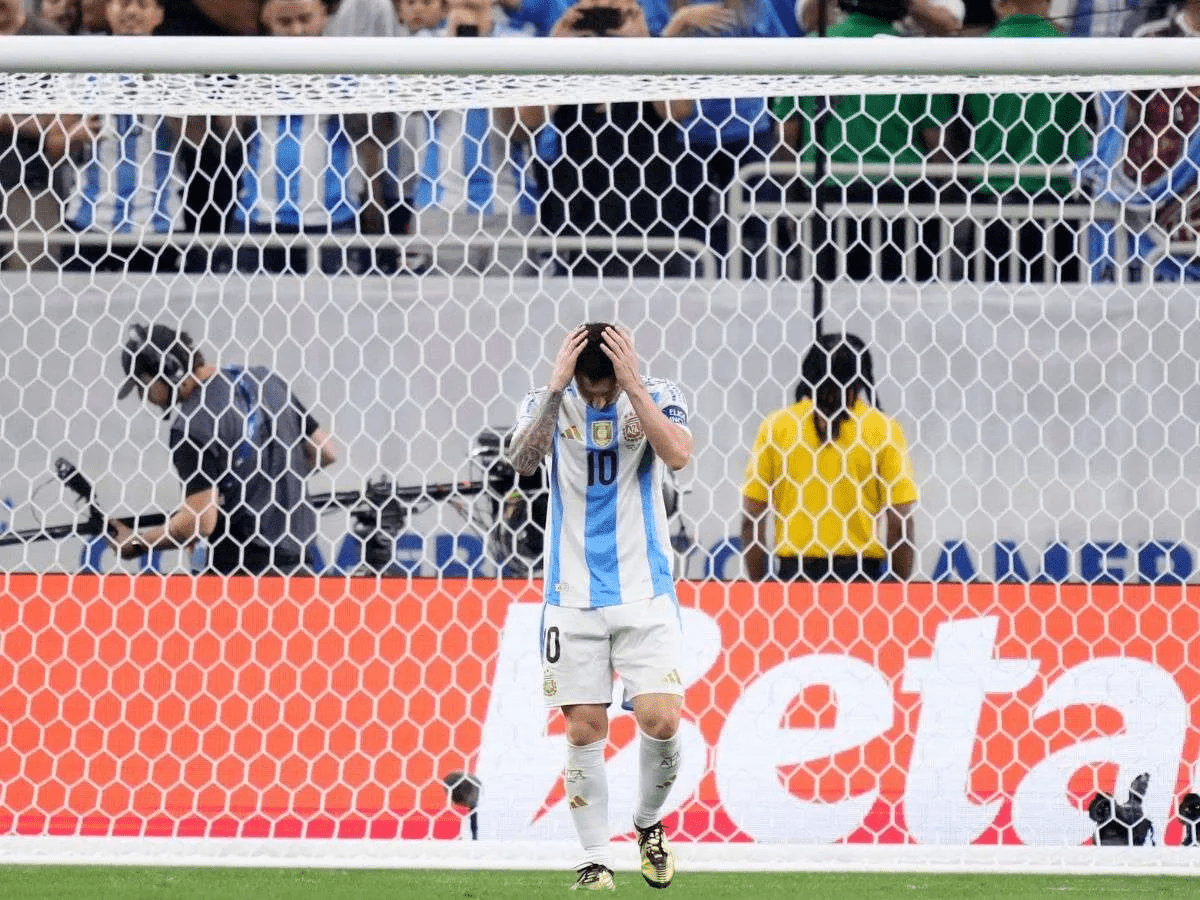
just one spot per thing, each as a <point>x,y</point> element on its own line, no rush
<point>103,883</point>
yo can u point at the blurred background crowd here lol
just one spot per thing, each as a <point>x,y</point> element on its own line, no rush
<point>644,187</point>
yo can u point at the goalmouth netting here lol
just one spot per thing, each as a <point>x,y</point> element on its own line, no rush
<point>403,230</point>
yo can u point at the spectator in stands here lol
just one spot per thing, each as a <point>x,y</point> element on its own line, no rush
<point>536,17</point>
<point>1147,145</point>
<point>28,143</point>
<point>1104,18</point>
<point>421,18</point>
<point>93,17</point>
<point>210,17</point>
<point>722,135</point>
<point>611,170</point>
<point>209,152</point>
<point>363,18</point>
<point>823,472</point>
<point>464,178</point>
<point>1035,130</point>
<point>932,18</point>
<point>15,20</point>
<point>878,128</point>
<point>66,14</point>
<point>124,177</point>
<point>299,175</point>
<point>380,211</point>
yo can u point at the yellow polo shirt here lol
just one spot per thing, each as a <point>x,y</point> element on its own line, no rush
<point>826,496</point>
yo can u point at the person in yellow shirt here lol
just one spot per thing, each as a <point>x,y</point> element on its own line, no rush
<point>828,467</point>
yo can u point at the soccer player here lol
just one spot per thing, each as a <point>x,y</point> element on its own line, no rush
<point>610,596</point>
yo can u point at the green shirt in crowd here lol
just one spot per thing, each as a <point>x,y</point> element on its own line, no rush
<point>1042,129</point>
<point>868,128</point>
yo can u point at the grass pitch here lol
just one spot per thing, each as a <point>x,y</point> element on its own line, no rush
<point>136,883</point>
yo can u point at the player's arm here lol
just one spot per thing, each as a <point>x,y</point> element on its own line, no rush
<point>534,435</point>
<point>754,538</point>
<point>901,537</point>
<point>671,440</point>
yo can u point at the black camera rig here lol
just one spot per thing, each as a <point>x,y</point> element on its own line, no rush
<point>1122,824</point>
<point>508,509</point>
<point>94,524</point>
<point>380,511</point>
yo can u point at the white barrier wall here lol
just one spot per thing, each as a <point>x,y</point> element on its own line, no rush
<point>1053,431</point>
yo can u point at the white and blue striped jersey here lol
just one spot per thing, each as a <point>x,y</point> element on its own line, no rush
<point>127,181</point>
<point>299,174</point>
<point>606,531</point>
<point>463,162</point>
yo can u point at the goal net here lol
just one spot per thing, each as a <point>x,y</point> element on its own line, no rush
<point>403,232</point>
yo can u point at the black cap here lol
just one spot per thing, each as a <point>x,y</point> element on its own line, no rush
<point>157,351</point>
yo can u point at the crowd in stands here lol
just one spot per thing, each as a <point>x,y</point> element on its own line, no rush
<point>658,168</point>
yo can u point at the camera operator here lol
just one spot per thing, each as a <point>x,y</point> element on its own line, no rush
<point>242,445</point>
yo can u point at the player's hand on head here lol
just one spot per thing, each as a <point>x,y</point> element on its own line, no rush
<point>564,362</point>
<point>618,346</point>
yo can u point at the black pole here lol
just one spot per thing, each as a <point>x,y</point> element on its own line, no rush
<point>821,232</point>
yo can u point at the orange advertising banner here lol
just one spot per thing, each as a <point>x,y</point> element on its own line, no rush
<point>947,713</point>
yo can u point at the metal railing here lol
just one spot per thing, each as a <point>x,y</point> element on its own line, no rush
<point>433,246</point>
<point>957,250</point>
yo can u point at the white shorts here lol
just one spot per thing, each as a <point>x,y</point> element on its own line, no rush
<point>641,642</point>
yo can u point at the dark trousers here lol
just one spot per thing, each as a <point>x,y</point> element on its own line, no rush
<point>1044,251</point>
<point>831,568</point>
<point>294,260</point>
<point>704,171</point>
<point>230,557</point>
<point>886,260</point>
<point>120,258</point>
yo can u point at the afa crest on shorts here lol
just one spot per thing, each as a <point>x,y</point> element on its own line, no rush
<point>602,433</point>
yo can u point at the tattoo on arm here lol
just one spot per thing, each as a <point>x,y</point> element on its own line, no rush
<point>530,446</point>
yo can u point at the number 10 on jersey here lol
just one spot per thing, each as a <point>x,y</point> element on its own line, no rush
<point>601,467</point>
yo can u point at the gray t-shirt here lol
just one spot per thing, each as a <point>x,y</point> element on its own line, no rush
<point>244,433</point>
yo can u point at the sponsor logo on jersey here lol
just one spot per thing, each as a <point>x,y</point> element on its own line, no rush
<point>602,433</point>
<point>571,433</point>
<point>631,431</point>
<point>576,801</point>
<point>676,415</point>
<point>672,677</point>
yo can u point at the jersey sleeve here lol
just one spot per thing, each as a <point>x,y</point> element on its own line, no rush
<point>528,409</point>
<point>672,404</point>
<point>895,467</point>
<point>763,466</point>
